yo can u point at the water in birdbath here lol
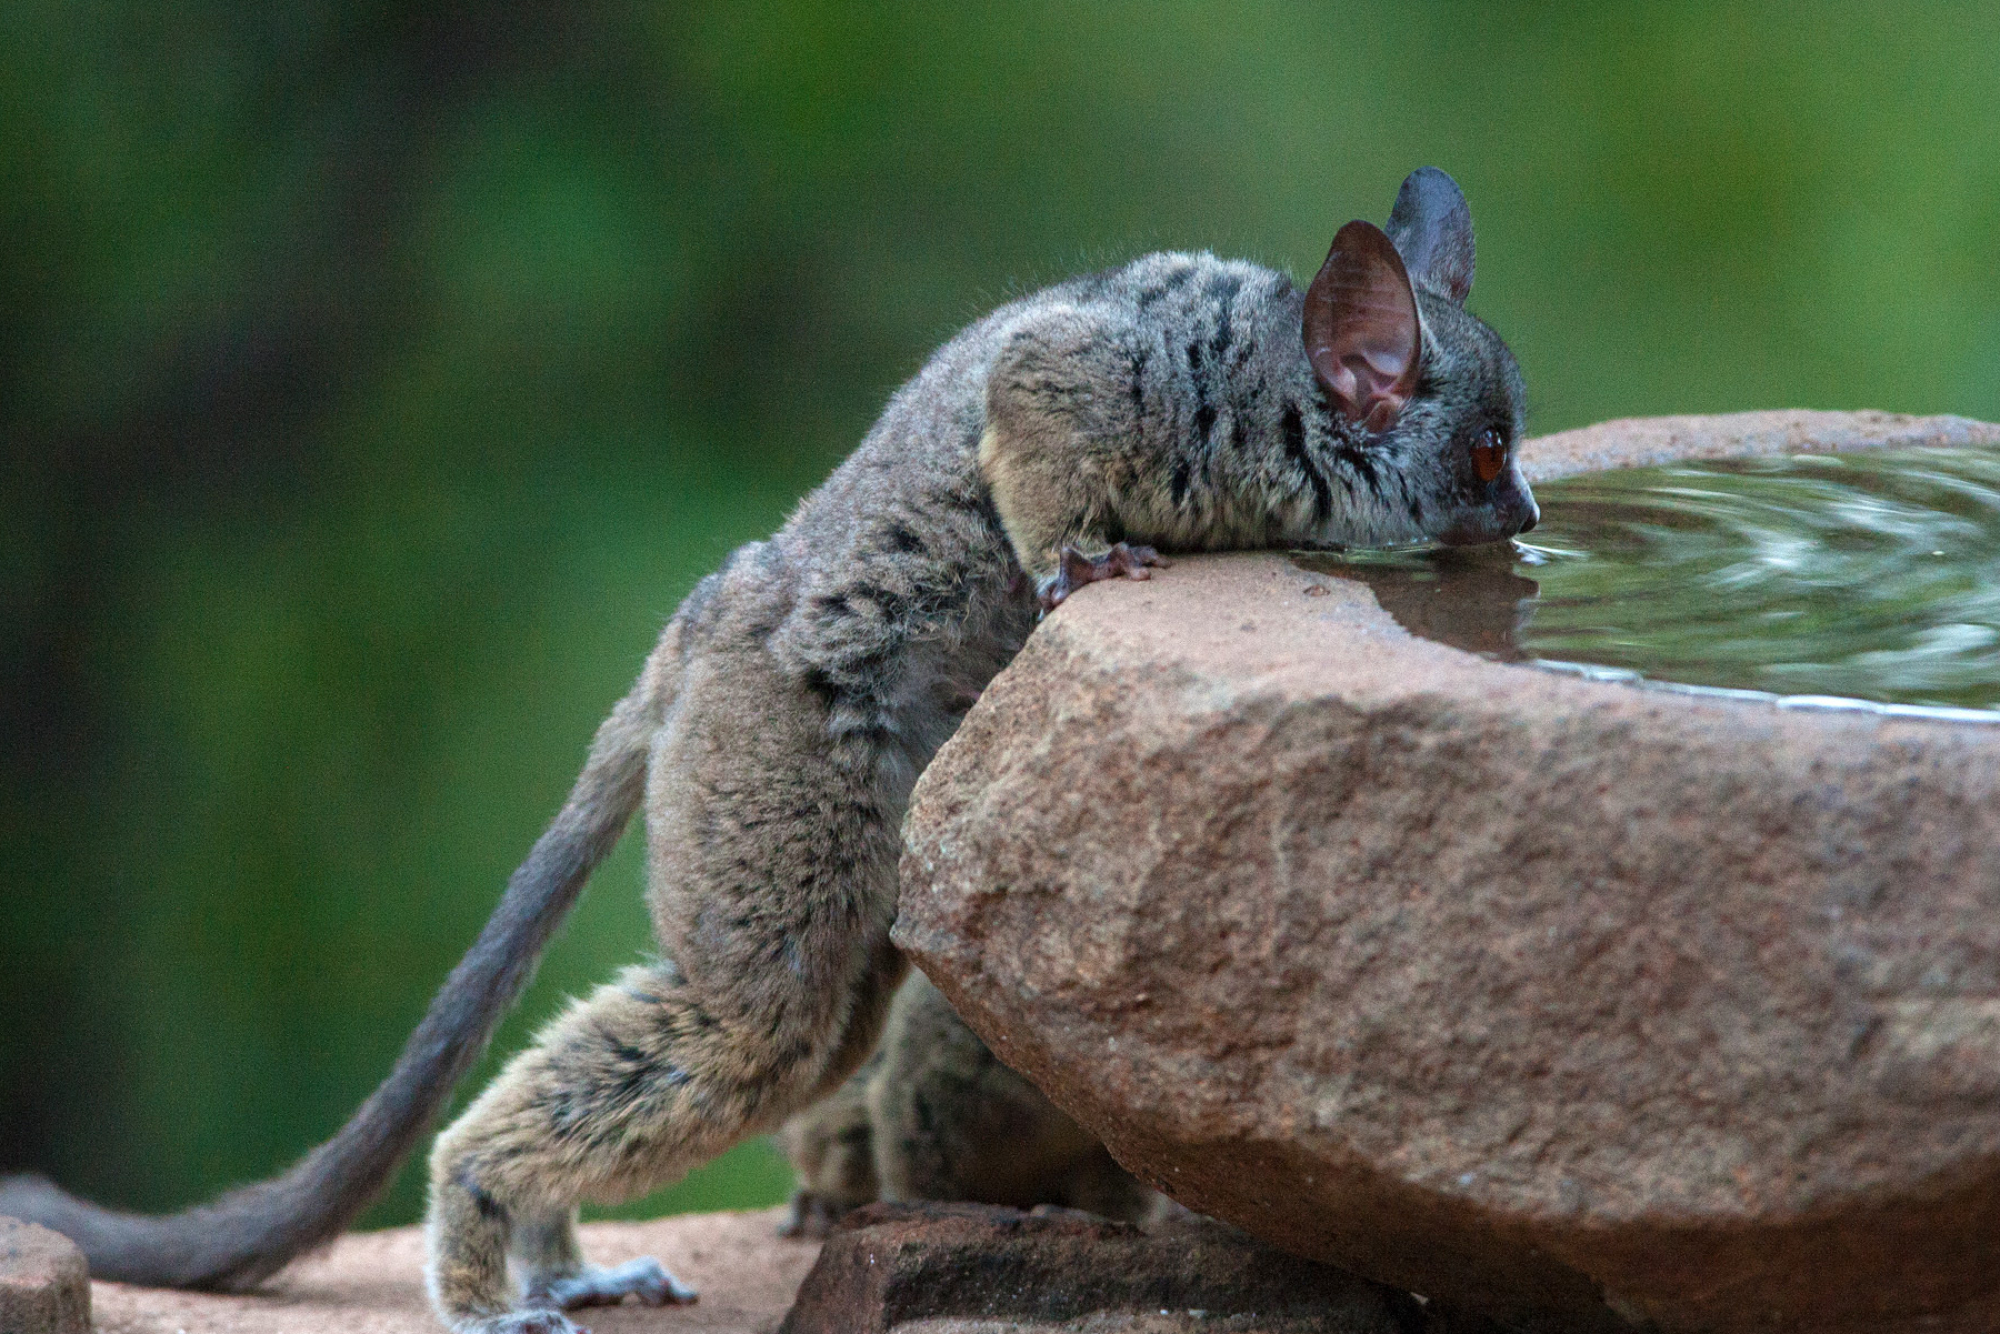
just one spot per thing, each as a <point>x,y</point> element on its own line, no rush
<point>1865,580</point>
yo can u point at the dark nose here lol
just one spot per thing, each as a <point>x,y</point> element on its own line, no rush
<point>1524,505</point>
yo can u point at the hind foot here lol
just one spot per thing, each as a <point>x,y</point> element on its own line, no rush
<point>520,1322</point>
<point>647,1279</point>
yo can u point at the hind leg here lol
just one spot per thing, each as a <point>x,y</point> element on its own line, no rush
<point>773,887</point>
<point>619,1096</point>
<point>554,1129</point>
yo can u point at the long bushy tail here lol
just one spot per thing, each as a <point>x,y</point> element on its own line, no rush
<point>248,1234</point>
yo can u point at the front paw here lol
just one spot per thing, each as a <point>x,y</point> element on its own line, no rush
<point>1074,570</point>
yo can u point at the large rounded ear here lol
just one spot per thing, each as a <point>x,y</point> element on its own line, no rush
<point>1361,328</point>
<point>1432,228</point>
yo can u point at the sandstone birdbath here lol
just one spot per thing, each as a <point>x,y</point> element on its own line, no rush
<point>1573,1003</point>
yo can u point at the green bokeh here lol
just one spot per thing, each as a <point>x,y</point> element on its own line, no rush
<point>374,382</point>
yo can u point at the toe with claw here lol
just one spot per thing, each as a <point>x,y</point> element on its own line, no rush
<point>523,1322</point>
<point>646,1278</point>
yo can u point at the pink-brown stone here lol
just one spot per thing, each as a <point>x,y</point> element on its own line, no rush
<point>984,1269</point>
<point>44,1284</point>
<point>1642,442</point>
<point>1575,1003</point>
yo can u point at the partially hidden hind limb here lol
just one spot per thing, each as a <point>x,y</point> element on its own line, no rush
<point>831,1146</point>
<point>773,873</point>
<point>934,1115</point>
<point>952,1122</point>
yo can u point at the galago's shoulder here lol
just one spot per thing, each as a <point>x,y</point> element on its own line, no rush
<point>911,495</point>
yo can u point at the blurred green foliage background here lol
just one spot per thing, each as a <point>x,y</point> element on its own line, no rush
<point>375,379</point>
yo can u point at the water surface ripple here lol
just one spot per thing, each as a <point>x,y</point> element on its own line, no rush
<point>1865,580</point>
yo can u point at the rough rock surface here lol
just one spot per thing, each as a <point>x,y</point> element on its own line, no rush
<point>44,1285</point>
<point>1574,1002</point>
<point>373,1283</point>
<point>982,1269</point>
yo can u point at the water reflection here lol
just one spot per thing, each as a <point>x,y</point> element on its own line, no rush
<point>1473,598</point>
<point>1859,580</point>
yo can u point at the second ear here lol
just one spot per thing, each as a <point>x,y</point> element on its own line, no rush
<point>1362,333</point>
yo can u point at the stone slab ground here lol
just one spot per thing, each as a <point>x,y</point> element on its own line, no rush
<point>372,1283</point>
<point>906,1269</point>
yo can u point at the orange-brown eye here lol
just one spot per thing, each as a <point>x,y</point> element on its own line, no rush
<point>1489,454</point>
